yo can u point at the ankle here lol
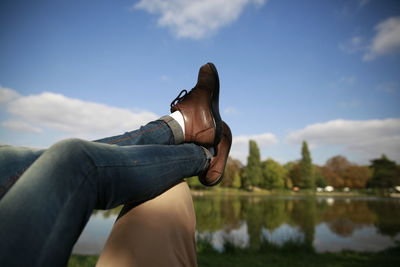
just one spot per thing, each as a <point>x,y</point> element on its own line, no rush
<point>177,115</point>
<point>176,129</point>
<point>208,155</point>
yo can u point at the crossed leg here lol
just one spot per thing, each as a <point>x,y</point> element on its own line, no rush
<point>44,213</point>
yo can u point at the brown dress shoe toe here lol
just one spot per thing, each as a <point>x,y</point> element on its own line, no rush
<point>213,175</point>
<point>200,109</point>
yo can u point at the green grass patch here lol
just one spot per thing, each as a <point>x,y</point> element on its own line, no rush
<point>82,261</point>
<point>294,255</point>
<point>294,258</point>
<point>270,255</point>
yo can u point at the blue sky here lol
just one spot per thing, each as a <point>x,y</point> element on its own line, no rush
<point>327,72</point>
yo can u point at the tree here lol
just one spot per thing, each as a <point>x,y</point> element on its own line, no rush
<point>356,176</point>
<point>334,170</point>
<point>292,175</point>
<point>273,174</point>
<point>339,172</point>
<point>244,180</point>
<point>319,177</point>
<point>306,167</point>
<point>237,181</point>
<point>232,173</point>
<point>331,177</point>
<point>384,173</point>
<point>194,182</point>
<point>337,164</point>
<point>252,172</point>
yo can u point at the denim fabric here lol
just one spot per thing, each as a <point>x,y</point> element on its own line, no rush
<point>13,163</point>
<point>15,160</point>
<point>155,132</point>
<point>175,128</point>
<point>43,214</point>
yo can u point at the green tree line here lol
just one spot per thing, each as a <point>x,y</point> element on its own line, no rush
<point>337,172</point>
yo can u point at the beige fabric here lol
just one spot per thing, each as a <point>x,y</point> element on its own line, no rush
<point>159,232</point>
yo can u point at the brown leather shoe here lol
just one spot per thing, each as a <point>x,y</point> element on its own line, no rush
<point>200,109</point>
<point>213,175</point>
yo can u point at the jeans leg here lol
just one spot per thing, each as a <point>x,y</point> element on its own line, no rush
<point>44,213</point>
<point>165,131</point>
<point>15,160</point>
<point>13,163</point>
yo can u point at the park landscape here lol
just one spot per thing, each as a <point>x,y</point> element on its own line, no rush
<point>382,175</point>
<point>269,214</point>
<point>310,90</point>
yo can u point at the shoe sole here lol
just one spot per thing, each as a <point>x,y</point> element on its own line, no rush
<point>219,179</point>
<point>215,108</point>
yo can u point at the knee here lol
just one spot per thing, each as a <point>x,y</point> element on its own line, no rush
<point>68,148</point>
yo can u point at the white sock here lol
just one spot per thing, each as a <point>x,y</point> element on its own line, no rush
<point>177,115</point>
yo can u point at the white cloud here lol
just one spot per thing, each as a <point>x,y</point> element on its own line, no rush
<point>7,95</point>
<point>386,40</point>
<point>195,18</point>
<point>240,144</point>
<point>20,126</point>
<point>71,116</point>
<point>368,138</point>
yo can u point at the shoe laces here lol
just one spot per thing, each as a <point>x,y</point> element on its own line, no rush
<point>180,97</point>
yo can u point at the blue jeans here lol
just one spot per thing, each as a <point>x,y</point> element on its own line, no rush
<point>44,212</point>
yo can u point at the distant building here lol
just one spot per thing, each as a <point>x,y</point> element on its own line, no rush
<point>328,188</point>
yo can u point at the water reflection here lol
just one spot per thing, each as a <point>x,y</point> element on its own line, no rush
<point>363,239</point>
<point>325,224</point>
<point>322,223</point>
<point>95,234</point>
<point>283,234</point>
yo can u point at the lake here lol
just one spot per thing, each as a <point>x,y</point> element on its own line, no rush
<point>328,224</point>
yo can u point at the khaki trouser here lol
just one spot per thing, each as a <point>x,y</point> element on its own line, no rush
<point>159,232</point>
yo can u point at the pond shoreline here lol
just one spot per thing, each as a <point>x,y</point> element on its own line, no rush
<point>263,192</point>
<point>325,222</point>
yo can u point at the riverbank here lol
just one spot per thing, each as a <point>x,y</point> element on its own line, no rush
<point>280,257</point>
<point>263,192</point>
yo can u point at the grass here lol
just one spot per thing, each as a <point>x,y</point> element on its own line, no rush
<point>82,261</point>
<point>269,255</point>
<point>287,257</point>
